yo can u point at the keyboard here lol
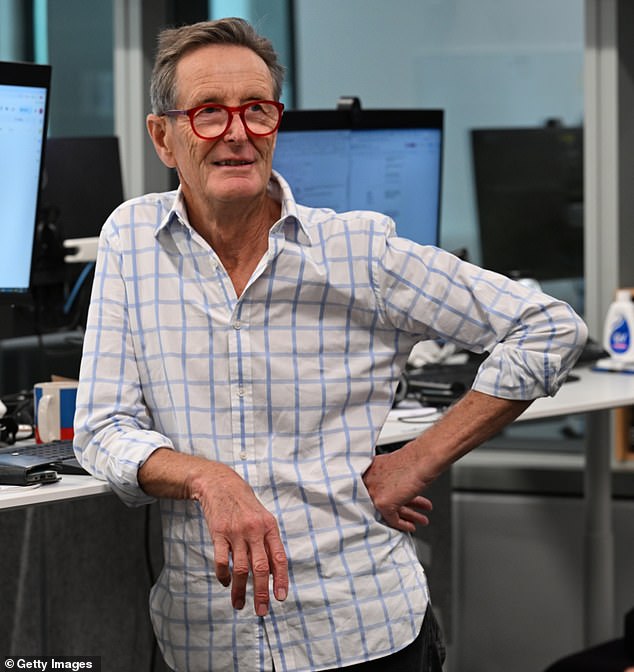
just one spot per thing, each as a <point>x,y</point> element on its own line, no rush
<point>20,461</point>
<point>591,352</point>
<point>441,384</point>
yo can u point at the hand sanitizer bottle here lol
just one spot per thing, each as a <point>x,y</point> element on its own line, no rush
<point>618,332</point>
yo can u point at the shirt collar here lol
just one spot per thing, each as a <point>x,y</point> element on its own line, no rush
<point>278,189</point>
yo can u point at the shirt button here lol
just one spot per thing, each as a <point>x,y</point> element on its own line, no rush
<point>236,324</point>
<point>241,392</point>
<point>243,455</point>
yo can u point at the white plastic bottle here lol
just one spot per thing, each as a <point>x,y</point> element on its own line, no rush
<point>618,332</point>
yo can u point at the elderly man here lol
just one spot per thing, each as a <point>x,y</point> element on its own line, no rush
<point>242,353</point>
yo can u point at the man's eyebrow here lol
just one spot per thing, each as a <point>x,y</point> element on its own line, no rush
<point>214,100</point>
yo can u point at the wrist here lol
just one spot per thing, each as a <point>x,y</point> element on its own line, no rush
<point>427,462</point>
<point>204,474</point>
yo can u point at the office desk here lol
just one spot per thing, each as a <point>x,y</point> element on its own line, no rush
<point>70,487</point>
<point>594,394</point>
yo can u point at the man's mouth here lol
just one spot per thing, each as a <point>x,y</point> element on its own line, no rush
<point>233,162</point>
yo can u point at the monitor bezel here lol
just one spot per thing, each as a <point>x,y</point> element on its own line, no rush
<point>21,73</point>
<point>359,118</point>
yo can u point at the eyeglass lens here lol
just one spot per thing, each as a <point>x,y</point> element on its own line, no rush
<point>260,118</point>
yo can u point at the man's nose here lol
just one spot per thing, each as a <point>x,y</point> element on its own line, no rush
<point>236,130</point>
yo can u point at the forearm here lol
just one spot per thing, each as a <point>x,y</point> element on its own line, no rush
<point>396,481</point>
<point>170,474</point>
<point>470,422</point>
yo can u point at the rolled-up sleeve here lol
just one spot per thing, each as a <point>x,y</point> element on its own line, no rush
<point>113,429</point>
<point>533,339</point>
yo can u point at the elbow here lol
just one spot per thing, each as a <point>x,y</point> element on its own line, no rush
<point>578,339</point>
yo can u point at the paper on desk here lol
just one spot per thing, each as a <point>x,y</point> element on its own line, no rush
<point>418,411</point>
<point>615,365</point>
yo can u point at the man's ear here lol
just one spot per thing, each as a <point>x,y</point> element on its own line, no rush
<point>157,128</point>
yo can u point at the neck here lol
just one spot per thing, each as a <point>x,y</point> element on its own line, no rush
<point>238,233</point>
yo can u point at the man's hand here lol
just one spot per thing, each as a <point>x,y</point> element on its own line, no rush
<point>395,489</point>
<point>243,530</point>
<point>395,481</point>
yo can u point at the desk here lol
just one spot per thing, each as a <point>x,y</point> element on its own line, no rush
<point>70,487</point>
<point>594,394</point>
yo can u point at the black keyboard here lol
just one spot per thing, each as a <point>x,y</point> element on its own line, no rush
<point>591,352</point>
<point>57,450</point>
<point>441,384</point>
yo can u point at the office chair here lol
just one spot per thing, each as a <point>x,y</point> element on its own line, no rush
<point>616,655</point>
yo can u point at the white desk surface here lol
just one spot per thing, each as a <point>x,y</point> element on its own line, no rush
<point>69,487</point>
<point>594,391</point>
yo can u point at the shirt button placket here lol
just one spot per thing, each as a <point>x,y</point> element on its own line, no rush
<point>241,420</point>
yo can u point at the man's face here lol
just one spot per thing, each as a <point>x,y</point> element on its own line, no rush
<point>236,167</point>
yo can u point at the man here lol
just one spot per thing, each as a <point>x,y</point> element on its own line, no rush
<point>241,355</point>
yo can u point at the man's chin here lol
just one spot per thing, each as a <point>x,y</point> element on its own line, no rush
<point>236,188</point>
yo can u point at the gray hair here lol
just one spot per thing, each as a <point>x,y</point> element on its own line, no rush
<point>174,43</point>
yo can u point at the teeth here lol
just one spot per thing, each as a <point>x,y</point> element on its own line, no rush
<point>233,163</point>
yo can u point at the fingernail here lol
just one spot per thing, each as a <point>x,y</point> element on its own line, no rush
<point>281,594</point>
<point>262,610</point>
<point>239,604</point>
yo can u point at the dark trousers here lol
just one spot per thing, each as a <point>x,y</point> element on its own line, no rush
<point>425,654</point>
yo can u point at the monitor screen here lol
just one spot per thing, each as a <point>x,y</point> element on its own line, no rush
<point>529,191</point>
<point>389,161</point>
<point>24,89</point>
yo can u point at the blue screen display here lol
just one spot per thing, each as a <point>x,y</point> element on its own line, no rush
<point>395,171</point>
<point>22,128</point>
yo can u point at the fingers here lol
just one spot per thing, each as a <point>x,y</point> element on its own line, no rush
<point>422,503</point>
<point>413,516</point>
<point>240,576</point>
<point>261,572</point>
<point>221,552</point>
<point>279,566</point>
<point>256,556</point>
<point>406,516</point>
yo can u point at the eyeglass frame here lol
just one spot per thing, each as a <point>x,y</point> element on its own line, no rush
<point>231,111</point>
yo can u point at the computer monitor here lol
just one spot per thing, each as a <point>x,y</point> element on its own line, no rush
<point>81,185</point>
<point>529,191</point>
<point>24,95</point>
<point>388,161</point>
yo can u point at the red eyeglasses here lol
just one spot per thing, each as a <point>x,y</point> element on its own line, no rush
<point>212,120</point>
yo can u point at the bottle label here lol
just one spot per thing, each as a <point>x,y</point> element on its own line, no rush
<point>620,338</point>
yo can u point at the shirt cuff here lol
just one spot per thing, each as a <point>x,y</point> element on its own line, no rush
<point>122,465</point>
<point>511,373</point>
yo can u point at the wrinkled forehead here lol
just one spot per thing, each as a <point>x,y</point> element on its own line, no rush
<point>221,73</point>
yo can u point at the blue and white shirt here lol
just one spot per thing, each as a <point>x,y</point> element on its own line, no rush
<point>289,384</point>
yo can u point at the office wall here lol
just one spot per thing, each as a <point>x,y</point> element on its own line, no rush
<point>487,63</point>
